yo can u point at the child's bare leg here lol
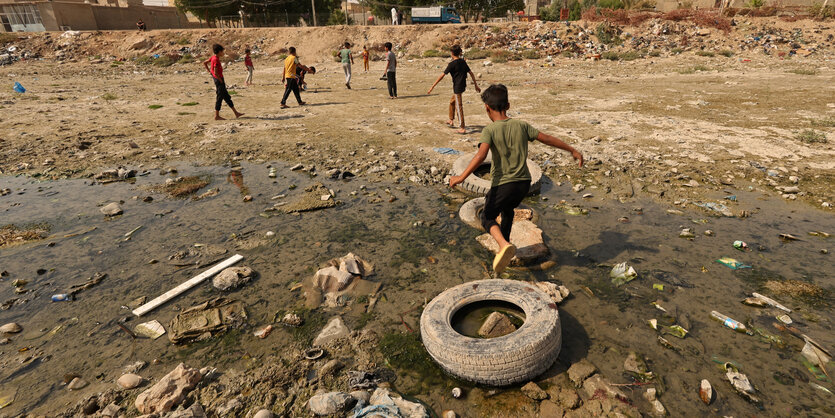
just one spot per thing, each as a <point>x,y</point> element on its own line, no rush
<point>237,114</point>
<point>217,115</point>
<point>496,233</point>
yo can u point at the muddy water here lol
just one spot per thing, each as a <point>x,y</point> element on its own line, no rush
<point>603,323</point>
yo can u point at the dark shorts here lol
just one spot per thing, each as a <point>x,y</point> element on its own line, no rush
<point>502,200</point>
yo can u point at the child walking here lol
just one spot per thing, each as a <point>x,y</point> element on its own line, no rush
<point>347,61</point>
<point>507,139</point>
<point>365,57</point>
<point>290,78</point>
<point>390,74</point>
<point>459,69</point>
<point>249,67</point>
<point>215,68</point>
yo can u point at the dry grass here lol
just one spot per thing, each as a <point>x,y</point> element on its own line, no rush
<point>794,288</point>
<point>12,235</point>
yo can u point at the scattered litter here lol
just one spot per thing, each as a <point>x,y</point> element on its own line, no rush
<point>785,319</point>
<point>788,237</point>
<point>677,331</point>
<point>131,232</point>
<point>716,207</point>
<point>314,353</point>
<point>369,380</point>
<point>819,234</point>
<point>658,286</point>
<point>771,302</point>
<point>456,392</point>
<point>813,369</point>
<point>151,329</point>
<point>817,386</point>
<point>19,88</point>
<point>741,245</point>
<point>740,382</point>
<point>729,322</point>
<point>653,323</point>
<point>206,320</point>
<point>732,263</point>
<point>447,151</point>
<point>816,354</point>
<point>622,273</point>
<point>61,297</point>
<point>706,392</point>
<point>263,332</point>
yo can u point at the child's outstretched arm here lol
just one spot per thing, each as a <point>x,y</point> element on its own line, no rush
<point>436,83</point>
<point>206,64</point>
<point>475,83</point>
<point>478,158</point>
<point>557,143</point>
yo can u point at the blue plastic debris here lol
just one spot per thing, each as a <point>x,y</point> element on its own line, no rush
<point>19,87</point>
<point>448,151</point>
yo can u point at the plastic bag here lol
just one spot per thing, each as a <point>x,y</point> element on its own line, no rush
<point>19,87</point>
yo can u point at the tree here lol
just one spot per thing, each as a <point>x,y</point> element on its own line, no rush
<point>211,10</point>
<point>337,17</point>
<point>476,10</point>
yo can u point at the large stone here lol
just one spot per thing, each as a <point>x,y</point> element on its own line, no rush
<point>533,391</point>
<point>194,411</point>
<point>334,330</point>
<point>111,209</point>
<point>77,383</point>
<point>331,279</point>
<point>129,381</point>
<point>11,328</point>
<point>527,238</point>
<point>569,398</point>
<point>169,391</point>
<point>382,396</point>
<point>232,277</point>
<point>578,372</point>
<point>597,386</point>
<point>263,413</point>
<point>555,291</point>
<point>548,409</point>
<point>496,325</point>
<point>330,403</point>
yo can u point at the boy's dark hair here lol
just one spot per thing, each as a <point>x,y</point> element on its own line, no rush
<point>247,51</point>
<point>347,44</point>
<point>456,50</point>
<point>311,70</point>
<point>388,46</point>
<point>216,48</point>
<point>495,97</point>
<point>292,50</point>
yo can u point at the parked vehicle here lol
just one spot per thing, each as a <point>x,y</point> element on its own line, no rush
<point>436,14</point>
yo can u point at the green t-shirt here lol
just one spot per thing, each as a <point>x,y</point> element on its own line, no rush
<point>345,54</point>
<point>508,140</point>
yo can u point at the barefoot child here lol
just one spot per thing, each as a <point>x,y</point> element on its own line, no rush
<point>290,78</point>
<point>365,58</point>
<point>214,67</point>
<point>347,58</point>
<point>249,67</point>
<point>390,74</point>
<point>459,69</point>
<point>507,139</point>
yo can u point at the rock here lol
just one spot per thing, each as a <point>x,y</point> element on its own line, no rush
<point>334,330</point>
<point>169,391</point>
<point>4,341</point>
<point>650,394</point>
<point>382,396</point>
<point>194,411</point>
<point>533,391</point>
<point>111,209</point>
<point>579,187</point>
<point>686,233</point>
<point>230,408</point>
<point>790,189</point>
<point>448,414</point>
<point>658,408</point>
<point>550,409</point>
<point>292,320</point>
<point>263,413</point>
<point>129,381</point>
<point>580,371</point>
<point>140,44</point>
<point>527,238</point>
<point>112,410</point>
<point>232,277</point>
<point>597,384</point>
<point>496,325</point>
<point>569,398</point>
<point>11,328</point>
<point>135,367</point>
<point>794,179</point>
<point>77,383</point>
<point>361,395</point>
<point>709,233</point>
<point>330,368</point>
<point>263,332</point>
<point>556,292</point>
<point>330,403</point>
<point>332,279</point>
<point>635,364</point>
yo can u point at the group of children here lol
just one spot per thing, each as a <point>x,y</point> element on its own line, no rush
<point>505,138</point>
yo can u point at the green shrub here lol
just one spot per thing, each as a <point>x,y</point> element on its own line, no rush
<point>434,53</point>
<point>804,71</point>
<point>154,106</point>
<point>810,136</point>
<point>531,54</point>
<point>145,60</point>
<point>817,10</point>
<point>826,123</point>
<point>186,59</point>
<point>499,56</point>
<point>608,34</point>
<point>164,61</point>
<point>655,53</point>
<point>726,53</point>
<point>183,41</point>
<point>476,54</point>
<point>610,55</point>
<point>756,4</point>
<point>337,17</point>
<point>610,4</point>
<point>676,51</point>
<point>282,56</point>
<point>189,104</point>
<point>705,53</point>
<point>630,56</point>
<point>109,96</point>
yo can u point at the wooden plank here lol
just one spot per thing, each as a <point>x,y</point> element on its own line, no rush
<point>194,281</point>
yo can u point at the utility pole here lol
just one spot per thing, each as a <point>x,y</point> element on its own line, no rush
<point>313,6</point>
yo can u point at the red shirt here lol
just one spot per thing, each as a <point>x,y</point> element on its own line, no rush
<point>215,68</point>
<point>248,61</point>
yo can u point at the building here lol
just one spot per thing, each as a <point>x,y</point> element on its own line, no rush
<point>60,15</point>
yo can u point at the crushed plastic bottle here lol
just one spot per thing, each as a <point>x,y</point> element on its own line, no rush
<point>61,297</point>
<point>730,322</point>
<point>19,87</point>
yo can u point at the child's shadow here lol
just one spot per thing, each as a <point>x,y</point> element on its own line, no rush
<point>273,117</point>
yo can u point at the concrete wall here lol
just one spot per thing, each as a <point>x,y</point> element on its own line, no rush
<point>115,18</point>
<point>77,16</point>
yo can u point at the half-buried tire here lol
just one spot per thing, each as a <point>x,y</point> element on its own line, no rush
<point>516,357</point>
<point>470,213</point>
<point>479,185</point>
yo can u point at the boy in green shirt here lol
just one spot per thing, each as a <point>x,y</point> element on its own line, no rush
<point>347,59</point>
<point>507,139</point>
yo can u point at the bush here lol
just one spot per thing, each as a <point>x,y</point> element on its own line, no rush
<point>476,54</point>
<point>531,54</point>
<point>608,34</point>
<point>146,60</point>
<point>610,55</point>
<point>500,56</point>
<point>726,53</point>
<point>756,4</point>
<point>705,53</point>
<point>803,71</point>
<point>676,51</point>
<point>154,106</point>
<point>630,56</point>
<point>655,53</point>
<point>109,96</point>
<point>810,136</point>
<point>610,4</point>
<point>827,123</point>
<point>186,59</point>
<point>434,53</point>
<point>337,17</point>
<point>183,41</point>
<point>282,56</point>
<point>817,10</point>
<point>166,60</point>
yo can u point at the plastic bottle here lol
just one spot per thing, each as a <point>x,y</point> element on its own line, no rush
<point>61,297</point>
<point>729,322</point>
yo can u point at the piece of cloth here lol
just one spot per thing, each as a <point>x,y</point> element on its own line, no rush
<point>508,140</point>
<point>391,80</point>
<point>458,69</point>
<point>502,200</point>
<point>222,95</point>
<point>248,61</point>
<point>215,67</point>
<point>346,67</point>
<point>291,63</point>
<point>392,61</point>
<point>345,54</point>
<point>292,85</point>
<point>249,70</point>
<point>456,107</point>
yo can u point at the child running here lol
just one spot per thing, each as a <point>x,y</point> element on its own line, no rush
<point>507,139</point>
<point>391,67</point>
<point>347,60</point>
<point>459,69</point>
<point>290,78</point>
<point>215,68</point>
<point>249,67</point>
<point>365,57</point>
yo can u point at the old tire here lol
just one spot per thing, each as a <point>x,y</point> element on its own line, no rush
<point>470,213</point>
<point>516,357</point>
<point>481,186</point>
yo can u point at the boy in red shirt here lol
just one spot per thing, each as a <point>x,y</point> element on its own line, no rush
<point>214,67</point>
<point>249,67</point>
